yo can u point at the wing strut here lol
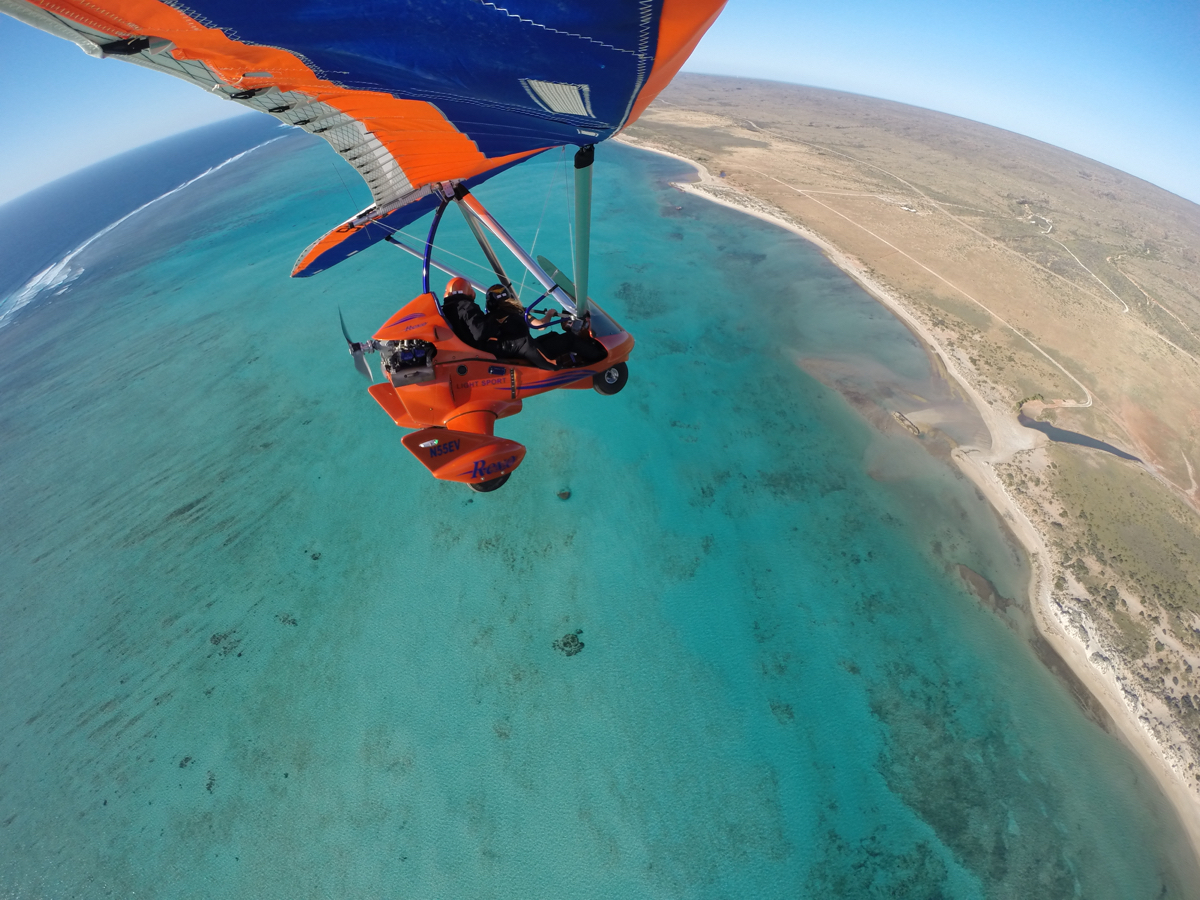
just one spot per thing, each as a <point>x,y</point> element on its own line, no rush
<point>468,200</point>
<point>481,237</point>
<point>437,264</point>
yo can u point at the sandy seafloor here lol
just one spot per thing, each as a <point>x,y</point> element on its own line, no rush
<point>250,648</point>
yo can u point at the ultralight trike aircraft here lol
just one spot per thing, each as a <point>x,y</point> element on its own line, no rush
<point>453,392</point>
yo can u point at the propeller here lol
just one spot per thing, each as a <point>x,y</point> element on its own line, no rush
<point>356,350</point>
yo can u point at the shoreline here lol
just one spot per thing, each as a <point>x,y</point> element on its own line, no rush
<point>1008,438</point>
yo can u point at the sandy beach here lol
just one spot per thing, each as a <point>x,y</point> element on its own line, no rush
<point>1008,438</point>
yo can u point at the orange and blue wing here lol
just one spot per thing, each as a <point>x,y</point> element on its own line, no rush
<point>412,93</point>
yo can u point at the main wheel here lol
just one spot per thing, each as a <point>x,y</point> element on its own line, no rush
<point>612,379</point>
<point>484,486</point>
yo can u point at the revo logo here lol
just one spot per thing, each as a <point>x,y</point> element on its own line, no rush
<point>482,469</point>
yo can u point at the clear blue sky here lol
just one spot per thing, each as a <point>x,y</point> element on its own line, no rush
<point>1115,80</point>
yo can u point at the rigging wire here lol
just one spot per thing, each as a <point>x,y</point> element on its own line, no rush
<point>533,248</point>
<point>421,241</point>
<point>541,218</point>
<point>342,180</point>
<point>469,262</point>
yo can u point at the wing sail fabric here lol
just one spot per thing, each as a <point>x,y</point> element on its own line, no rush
<point>411,93</point>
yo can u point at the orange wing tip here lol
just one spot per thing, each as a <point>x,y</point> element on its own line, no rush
<point>463,457</point>
<point>351,237</point>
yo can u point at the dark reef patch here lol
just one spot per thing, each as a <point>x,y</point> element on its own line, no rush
<point>186,508</point>
<point>868,867</point>
<point>981,587</point>
<point>569,644</point>
<point>987,594</point>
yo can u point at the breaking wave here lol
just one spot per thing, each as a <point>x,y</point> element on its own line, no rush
<point>58,277</point>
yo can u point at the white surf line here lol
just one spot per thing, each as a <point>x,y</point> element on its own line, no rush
<point>59,273</point>
<point>980,304</point>
<point>1089,271</point>
<point>937,205</point>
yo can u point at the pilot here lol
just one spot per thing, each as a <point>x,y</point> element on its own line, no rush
<point>571,347</point>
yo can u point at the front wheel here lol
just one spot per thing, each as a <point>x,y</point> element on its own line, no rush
<point>484,486</point>
<point>611,380</point>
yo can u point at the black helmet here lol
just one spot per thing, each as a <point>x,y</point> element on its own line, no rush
<point>498,296</point>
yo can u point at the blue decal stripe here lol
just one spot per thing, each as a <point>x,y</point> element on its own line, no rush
<point>573,375</point>
<point>405,319</point>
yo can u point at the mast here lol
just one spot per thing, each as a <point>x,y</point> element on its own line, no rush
<point>584,157</point>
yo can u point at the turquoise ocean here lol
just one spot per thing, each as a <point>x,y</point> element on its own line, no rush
<point>249,648</point>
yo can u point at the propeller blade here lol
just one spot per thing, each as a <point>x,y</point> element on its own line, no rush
<point>360,358</point>
<point>360,363</point>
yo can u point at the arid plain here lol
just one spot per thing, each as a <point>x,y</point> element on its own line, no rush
<point>1040,280</point>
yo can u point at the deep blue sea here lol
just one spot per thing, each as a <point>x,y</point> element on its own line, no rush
<point>249,648</point>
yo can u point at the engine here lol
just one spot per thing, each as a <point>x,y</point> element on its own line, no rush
<point>408,362</point>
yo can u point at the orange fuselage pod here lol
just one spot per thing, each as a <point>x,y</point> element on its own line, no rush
<point>461,456</point>
<point>456,410</point>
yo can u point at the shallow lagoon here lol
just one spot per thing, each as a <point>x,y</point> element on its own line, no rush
<point>251,649</point>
